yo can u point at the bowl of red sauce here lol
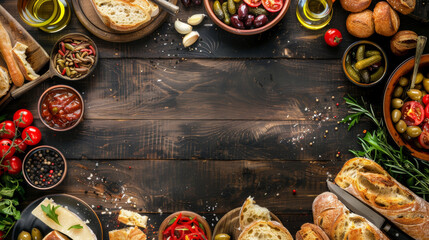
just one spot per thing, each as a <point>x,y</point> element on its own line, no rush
<point>61,108</point>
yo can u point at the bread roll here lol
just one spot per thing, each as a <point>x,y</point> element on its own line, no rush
<point>264,230</point>
<point>311,232</point>
<point>355,5</point>
<point>20,57</point>
<point>339,223</point>
<point>369,182</point>
<point>403,42</point>
<point>360,24</point>
<point>403,6</point>
<point>251,212</point>
<point>4,81</point>
<point>386,20</point>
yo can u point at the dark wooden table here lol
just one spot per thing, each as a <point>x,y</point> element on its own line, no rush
<point>168,128</point>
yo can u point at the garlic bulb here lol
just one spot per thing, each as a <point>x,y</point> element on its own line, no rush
<point>190,38</point>
<point>196,19</point>
<point>181,27</point>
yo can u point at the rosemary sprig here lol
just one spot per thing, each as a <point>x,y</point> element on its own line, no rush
<point>411,172</point>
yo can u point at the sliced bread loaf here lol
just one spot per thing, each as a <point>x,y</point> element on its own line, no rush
<point>251,212</point>
<point>265,230</point>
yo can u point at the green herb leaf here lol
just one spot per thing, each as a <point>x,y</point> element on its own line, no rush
<point>172,221</point>
<point>50,212</point>
<point>77,226</point>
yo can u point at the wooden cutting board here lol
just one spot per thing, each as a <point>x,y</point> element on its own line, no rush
<point>421,12</point>
<point>36,55</point>
<point>87,15</point>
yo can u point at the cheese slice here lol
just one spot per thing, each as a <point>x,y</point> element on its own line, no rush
<point>66,219</point>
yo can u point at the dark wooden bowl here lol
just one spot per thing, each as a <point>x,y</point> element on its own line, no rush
<point>208,4</point>
<point>403,69</point>
<point>200,219</point>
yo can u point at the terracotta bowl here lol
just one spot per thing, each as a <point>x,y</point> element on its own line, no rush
<point>200,219</point>
<point>353,47</point>
<point>404,68</point>
<point>208,4</point>
<point>56,87</point>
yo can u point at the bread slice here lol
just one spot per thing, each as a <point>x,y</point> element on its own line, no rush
<point>54,235</point>
<point>20,57</point>
<point>143,4</point>
<point>121,15</point>
<point>131,233</point>
<point>311,232</point>
<point>155,9</point>
<point>251,212</point>
<point>265,230</point>
<point>132,218</point>
<point>4,81</point>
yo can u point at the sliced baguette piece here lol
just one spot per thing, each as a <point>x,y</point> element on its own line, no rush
<point>155,9</point>
<point>21,58</point>
<point>143,4</point>
<point>131,233</point>
<point>132,218</point>
<point>265,230</point>
<point>4,81</point>
<point>55,235</point>
<point>251,212</point>
<point>311,232</point>
<point>121,15</point>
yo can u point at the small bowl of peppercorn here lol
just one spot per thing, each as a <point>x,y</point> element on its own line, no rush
<point>44,167</point>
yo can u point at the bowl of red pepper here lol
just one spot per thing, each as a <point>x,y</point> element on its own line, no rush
<point>184,225</point>
<point>61,108</point>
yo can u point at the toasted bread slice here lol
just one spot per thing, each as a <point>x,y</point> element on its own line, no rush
<point>131,233</point>
<point>21,58</point>
<point>132,218</point>
<point>265,230</point>
<point>251,212</point>
<point>4,81</point>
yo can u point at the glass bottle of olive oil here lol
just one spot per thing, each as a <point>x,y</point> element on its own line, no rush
<point>314,14</point>
<point>48,15</point>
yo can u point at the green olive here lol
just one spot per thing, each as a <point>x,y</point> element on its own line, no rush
<point>401,126</point>
<point>398,91</point>
<point>426,84</point>
<point>222,236</point>
<point>403,81</point>
<point>419,78</point>
<point>414,131</point>
<point>396,115</point>
<point>397,103</point>
<point>24,236</point>
<point>414,94</point>
<point>418,86</point>
<point>36,234</point>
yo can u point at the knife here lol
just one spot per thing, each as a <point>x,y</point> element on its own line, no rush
<point>360,208</point>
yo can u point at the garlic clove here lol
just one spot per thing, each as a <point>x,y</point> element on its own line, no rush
<point>196,19</point>
<point>190,38</point>
<point>181,27</point>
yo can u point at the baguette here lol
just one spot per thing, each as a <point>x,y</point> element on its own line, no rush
<point>339,223</point>
<point>20,57</point>
<point>6,51</point>
<point>4,81</point>
<point>311,232</point>
<point>265,230</point>
<point>251,212</point>
<point>370,183</point>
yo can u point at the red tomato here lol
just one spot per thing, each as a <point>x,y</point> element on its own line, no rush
<point>26,118</point>
<point>412,113</point>
<point>13,165</point>
<point>2,236</point>
<point>333,37</point>
<point>7,129</point>
<point>272,5</point>
<point>425,99</point>
<point>427,111</point>
<point>20,144</point>
<point>424,139</point>
<point>5,145</point>
<point>31,135</point>
<point>253,3</point>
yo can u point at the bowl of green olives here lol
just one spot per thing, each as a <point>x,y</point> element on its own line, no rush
<point>364,63</point>
<point>406,109</point>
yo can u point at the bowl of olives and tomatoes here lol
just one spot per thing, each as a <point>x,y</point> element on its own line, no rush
<point>406,109</point>
<point>246,17</point>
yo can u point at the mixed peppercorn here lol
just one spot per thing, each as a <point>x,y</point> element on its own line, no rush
<point>44,167</point>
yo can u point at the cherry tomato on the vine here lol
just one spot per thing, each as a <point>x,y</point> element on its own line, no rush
<point>7,129</point>
<point>5,145</point>
<point>20,144</point>
<point>23,118</point>
<point>333,37</point>
<point>33,133</point>
<point>13,165</point>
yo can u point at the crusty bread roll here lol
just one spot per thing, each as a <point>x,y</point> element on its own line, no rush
<point>4,81</point>
<point>355,5</point>
<point>251,212</point>
<point>403,6</point>
<point>386,20</point>
<point>369,182</point>
<point>403,42</point>
<point>131,233</point>
<point>20,57</point>
<point>339,223</point>
<point>55,235</point>
<point>361,24</point>
<point>132,218</point>
<point>311,232</point>
<point>263,230</point>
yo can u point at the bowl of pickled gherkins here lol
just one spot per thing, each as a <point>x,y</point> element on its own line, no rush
<point>246,17</point>
<point>406,108</point>
<point>364,63</point>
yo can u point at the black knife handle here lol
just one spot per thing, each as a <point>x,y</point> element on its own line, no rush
<point>395,233</point>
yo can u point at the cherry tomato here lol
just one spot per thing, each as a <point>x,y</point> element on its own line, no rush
<point>7,129</point>
<point>272,5</point>
<point>425,99</point>
<point>5,145</point>
<point>412,113</point>
<point>33,133</point>
<point>333,37</point>
<point>26,118</point>
<point>253,3</point>
<point>20,144</point>
<point>13,165</point>
<point>424,139</point>
<point>2,235</point>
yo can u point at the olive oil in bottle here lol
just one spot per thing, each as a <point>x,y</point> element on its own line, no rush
<point>314,14</point>
<point>48,15</point>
